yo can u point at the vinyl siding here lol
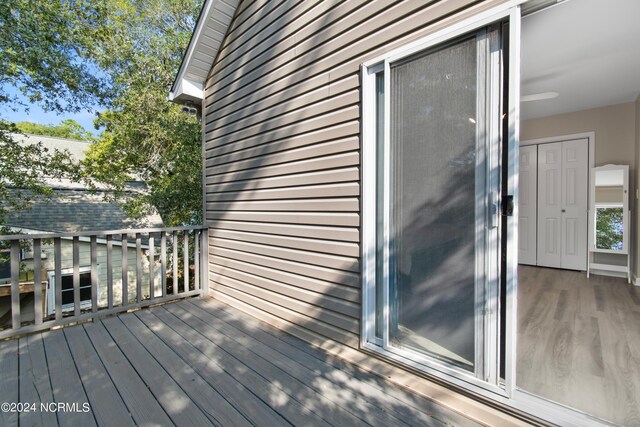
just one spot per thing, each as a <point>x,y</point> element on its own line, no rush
<point>281,120</point>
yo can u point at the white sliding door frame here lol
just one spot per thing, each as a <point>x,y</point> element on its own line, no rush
<point>504,392</point>
<point>487,382</point>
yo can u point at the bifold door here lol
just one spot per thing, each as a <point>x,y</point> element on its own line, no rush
<point>562,203</point>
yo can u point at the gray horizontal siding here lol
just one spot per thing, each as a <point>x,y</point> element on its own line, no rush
<point>282,154</point>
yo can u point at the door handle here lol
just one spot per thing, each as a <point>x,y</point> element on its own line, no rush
<point>563,211</point>
<point>494,210</point>
<point>507,205</point>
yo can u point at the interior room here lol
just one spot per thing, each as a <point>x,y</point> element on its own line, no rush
<point>579,251</point>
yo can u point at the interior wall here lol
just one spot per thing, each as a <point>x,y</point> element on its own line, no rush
<point>617,142</point>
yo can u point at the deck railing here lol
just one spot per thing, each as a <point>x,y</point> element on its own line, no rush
<point>61,278</point>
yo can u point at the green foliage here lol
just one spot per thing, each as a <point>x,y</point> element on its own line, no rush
<point>23,167</point>
<point>68,55</point>
<point>46,51</point>
<point>67,128</point>
<point>145,137</point>
<point>609,228</point>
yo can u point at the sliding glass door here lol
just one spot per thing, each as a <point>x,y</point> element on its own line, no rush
<point>436,170</point>
<point>437,191</point>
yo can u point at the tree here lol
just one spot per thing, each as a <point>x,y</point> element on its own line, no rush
<point>145,137</point>
<point>23,166</point>
<point>67,128</point>
<point>609,228</point>
<point>46,51</point>
<point>44,55</point>
<point>69,55</point>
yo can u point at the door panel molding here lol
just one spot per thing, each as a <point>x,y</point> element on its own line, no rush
<point>569,250</point>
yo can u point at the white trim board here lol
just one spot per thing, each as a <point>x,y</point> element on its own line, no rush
<point>211,28</point>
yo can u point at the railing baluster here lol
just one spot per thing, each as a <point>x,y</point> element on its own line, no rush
<point>186,261</point>
<point>152,282</point>
<point>125,273</point>
<point>196,259</point>
<point>57,243</point>
<point>15,284</point>
<point>76,276</point>
<point>109,272</point>
<point>163,263</point>
<point>175,263</point>
<point>138,268</point>
<point>46,304</point>
<point>204,264</point>
<point>94,273</point>
<point>37,280</point>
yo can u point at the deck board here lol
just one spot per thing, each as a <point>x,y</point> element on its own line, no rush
<point>170,395</point>
<point>65,382</point>
<point>360,384</point>
<point>286,381</point>
<point>34,381</point>
<point>241,390</point>
<point>205,396</point>
<point>198,362</point>
<point>142,404</point>
<point>323,386</point>
<point>105,401</point>
<point>9,384</point>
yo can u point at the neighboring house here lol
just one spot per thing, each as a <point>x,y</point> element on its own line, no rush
<point>73,208</point>
<point>362,190</point>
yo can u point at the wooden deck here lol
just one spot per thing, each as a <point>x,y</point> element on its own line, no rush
<point>195,363</point>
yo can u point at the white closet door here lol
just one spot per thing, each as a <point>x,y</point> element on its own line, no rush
<point>562,204</point>
<point>528,206</point>
<point>550,204</point>
<point>574,204</point>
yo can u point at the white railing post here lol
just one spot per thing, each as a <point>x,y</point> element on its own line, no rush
<point>109,271</point>
<point>152,254</point>
<point>37,281</point>
<point>58,276</point>
<point>125,270</point>
<point>15,284</point>
<point>185,259</point>
<point>196,259</point>
<point>138,268</point>
<point>94,274</point>
<point>76,276</point>
<point>163,263</point>
<point>204,263</point>
<point>175,262</point>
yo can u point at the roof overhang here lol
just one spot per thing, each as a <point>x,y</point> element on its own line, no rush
<point>215,17</point>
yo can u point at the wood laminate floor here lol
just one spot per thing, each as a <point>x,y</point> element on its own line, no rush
<point>579,341</point>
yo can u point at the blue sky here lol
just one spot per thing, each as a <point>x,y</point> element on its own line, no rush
<point>38,115</point>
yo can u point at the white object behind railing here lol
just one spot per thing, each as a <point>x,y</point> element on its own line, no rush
<point>85,290</point>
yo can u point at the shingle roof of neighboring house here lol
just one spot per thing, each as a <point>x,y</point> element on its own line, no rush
<point>73,207</point>
<point>77,210</point>
<point>75,147</point>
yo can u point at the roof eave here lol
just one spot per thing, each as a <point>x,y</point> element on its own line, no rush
<point>185,90</point>
<point>213,22</point>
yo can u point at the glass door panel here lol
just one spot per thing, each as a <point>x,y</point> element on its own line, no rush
<point>440,195</point>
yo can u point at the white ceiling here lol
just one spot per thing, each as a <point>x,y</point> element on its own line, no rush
<point>588,51</point>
